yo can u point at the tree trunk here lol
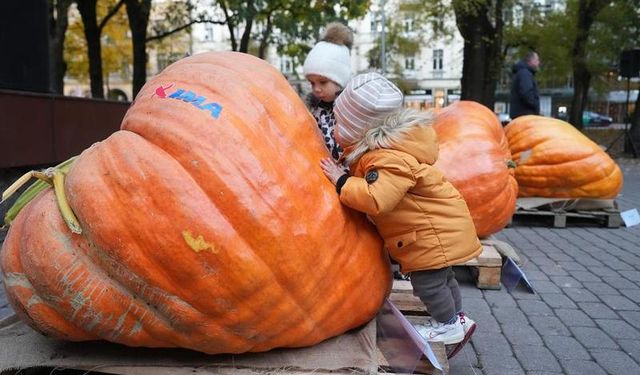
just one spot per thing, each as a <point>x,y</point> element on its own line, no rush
<point>248,25</point>
<point>482,50</point>
<point>495,58</point>
<point>58,23</point>
<point>264,43</point>
<point>87,9</point>
<point>581,82</point>
<point>587,12</point>
<point>230,25</point>
<point>138,13</point>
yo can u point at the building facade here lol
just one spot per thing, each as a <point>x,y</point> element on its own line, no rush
<point>430,77</point>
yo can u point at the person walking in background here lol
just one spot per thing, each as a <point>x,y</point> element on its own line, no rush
<point>423,219</point>
<point>328,69</point>
<point>524,96</point>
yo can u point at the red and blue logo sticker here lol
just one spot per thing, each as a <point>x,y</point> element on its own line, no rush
<point>191,97</point>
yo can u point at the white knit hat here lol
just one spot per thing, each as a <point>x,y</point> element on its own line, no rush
<point>363,101</point>
<point>330,57</point>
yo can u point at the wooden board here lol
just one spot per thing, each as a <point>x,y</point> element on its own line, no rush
<point>402,296</point>
<point>486,268</point>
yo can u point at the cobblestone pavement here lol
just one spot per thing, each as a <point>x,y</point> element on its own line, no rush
<point>585,316</point>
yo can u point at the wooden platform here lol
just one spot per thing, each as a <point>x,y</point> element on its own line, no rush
<point>609,218</point>
<point>563,212</point>
<point>486,269</point>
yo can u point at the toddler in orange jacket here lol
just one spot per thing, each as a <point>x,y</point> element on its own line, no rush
<point>423,219</point>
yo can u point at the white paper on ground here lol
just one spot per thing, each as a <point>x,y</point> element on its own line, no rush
<point>630,217</point>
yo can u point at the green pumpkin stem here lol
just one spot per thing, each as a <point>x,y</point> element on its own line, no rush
<point>45,179</point>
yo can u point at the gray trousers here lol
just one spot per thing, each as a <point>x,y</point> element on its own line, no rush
<point>439,291</point>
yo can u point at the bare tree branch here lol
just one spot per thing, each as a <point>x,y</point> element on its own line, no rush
<point>180,28</point>
<point>112,12</point>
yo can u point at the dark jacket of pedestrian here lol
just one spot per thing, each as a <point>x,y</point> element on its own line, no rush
<point>525,99</point>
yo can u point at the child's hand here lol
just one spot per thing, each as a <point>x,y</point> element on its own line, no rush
<point>331,170</point>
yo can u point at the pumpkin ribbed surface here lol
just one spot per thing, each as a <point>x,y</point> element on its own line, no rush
<point>556,160</point>
<point>206,224</point>
<point>474,157</point>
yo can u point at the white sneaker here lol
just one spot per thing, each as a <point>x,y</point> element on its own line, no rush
<point>469,326</point>
<point>423,329</point>
<point>446,333</point>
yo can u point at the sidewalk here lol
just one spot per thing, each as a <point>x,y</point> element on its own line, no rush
<point>585,317</point>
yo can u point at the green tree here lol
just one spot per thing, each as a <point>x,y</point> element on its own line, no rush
<point>297,22</point>
<point>588,58</point>
<point>586,16</point>
<point>481,24</point>
<point>93,31</point>
<point>112,45</point>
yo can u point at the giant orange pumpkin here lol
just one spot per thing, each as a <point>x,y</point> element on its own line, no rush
<point>475,158</point>
<point>556,160</point>
<point>206,222</point>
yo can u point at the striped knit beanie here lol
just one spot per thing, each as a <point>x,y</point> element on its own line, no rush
<point>366,97</point>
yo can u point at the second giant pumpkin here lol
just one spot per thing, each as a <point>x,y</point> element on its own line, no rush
<point>475,158</point>
<point>206,221</point>
<point>555,160</point>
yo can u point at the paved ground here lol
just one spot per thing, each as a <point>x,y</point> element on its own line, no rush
<point>585,317</point>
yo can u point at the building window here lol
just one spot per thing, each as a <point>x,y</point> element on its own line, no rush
<point>286,65</point>
<point>407,25</point>
<point>376,26</point>
<point>437,59</point>
<point>410,63</point>
<point>208,32</point>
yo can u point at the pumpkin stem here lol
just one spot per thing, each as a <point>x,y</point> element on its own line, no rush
<point>511,164</point>
<point>23,180</point>
<point>63,204</point>
<point>45,179</point>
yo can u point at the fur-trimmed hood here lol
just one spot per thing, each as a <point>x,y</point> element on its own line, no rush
<point>406,130</point>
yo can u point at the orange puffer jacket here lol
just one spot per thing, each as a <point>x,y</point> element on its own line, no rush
<point>423,219</point>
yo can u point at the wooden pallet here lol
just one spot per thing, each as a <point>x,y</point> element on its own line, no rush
<point>609,218</point>
<point>486,269</point>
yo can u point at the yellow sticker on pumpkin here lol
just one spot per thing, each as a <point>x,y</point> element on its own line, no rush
<point>198,244</point>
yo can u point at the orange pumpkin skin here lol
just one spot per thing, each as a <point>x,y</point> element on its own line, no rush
<point>473,157</point>
<point>556,160</point>
<point>220,235</point>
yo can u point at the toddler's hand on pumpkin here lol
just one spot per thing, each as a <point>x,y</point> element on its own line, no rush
<point>331,170</point>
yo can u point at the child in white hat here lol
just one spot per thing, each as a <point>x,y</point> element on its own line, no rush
<point>328,69</point>
<point>423,219</point>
